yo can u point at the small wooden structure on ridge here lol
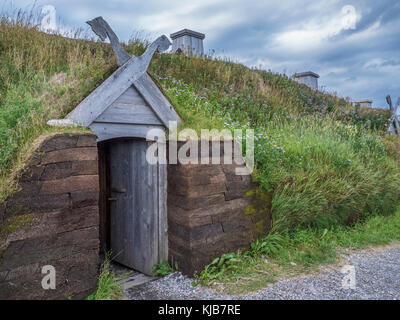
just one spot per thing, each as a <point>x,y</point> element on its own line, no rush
<point>188,42</point>
<point>308,78</point>
<point>364,103</point>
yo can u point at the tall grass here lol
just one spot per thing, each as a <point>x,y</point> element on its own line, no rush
<point>312,152</point>
<point>320,170</point>
<point>108,285</point>
<point>323,172</point>
<point>296,252</point>
<point>41,77</point>
<point>252,93</point>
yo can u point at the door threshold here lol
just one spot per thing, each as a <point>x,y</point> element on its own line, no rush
<point>135,280</point>
<point>129,278</point>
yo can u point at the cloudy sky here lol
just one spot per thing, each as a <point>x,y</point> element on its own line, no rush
<point>353,45</point>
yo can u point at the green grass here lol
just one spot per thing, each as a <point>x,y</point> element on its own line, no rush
<point>41,77</point>
<point>162,269</point>
<point>108,286</point>
<point>13,224</point>
<point>324,165</point>
<point>320,170</point>
<point>296,252</point>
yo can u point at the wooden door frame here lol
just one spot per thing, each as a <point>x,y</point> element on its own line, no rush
<point>104,205</point>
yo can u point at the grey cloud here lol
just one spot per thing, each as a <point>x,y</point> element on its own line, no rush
<point>250,38</point>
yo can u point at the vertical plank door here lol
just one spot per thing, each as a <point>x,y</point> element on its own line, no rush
<point>137,213</point>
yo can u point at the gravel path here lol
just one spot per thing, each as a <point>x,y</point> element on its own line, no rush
<point>377,276</point>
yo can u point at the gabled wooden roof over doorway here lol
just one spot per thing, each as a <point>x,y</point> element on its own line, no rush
<point>128,103</point>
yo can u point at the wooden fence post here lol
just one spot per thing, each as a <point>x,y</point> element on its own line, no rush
<point>394,127</point>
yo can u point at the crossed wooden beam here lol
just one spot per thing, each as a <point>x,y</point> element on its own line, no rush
<point>101,28</point>
<point>132,71</point>
<point>394,127</point>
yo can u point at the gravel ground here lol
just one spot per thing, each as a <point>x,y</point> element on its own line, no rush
<point>377,276</point>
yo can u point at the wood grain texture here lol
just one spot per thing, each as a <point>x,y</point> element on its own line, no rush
<point>106,131</point>
<point>105,94</point>
<point>129,114</point>
<point>103,30</point>
<point>157,101</point>
<point>131,95</point>
<point>115,85</point>
<point>130,108</point>
<point>162,213</point>
<point>135,213</point>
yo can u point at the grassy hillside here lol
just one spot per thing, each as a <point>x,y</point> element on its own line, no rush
<point>323,163</point>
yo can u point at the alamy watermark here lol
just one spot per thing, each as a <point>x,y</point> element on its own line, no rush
<point>349,280</point>
<point>349,17</point>
<point>49,280</point>
<point>189,152</point>
<point>49,22</point>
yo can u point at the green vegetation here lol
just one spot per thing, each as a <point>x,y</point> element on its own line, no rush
<point>13,224</point>
<point>325,166</point>
<point>41,77</point>
<point>296,252</point>
<point>162,269</point>
<point>320,170</point>
<point>108,286</point>
<point>312,154</point>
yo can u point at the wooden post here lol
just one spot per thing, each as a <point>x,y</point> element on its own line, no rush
<point>394,122</point>
<point>358,108</point>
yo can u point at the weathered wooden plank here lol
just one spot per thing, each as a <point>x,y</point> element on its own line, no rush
<point>140,229</point>
<point>144,227</point>
<point>103,30</point>
<point>129,113</point>
<point>131,95</point>
<point>152,214</point>
<point>133,189</point>
<point>134,213</point>
<point>135,280</point>
<point>118,210</point>
<point>106,131</point>
<point>162,213</point>
<point>105,94</point>
<point>155,98</point>
<point>115,85</point>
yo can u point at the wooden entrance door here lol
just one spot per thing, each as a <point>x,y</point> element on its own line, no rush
<point>137,202</point>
